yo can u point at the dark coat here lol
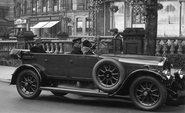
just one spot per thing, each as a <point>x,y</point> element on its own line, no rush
<point>37,49</point>
<point>76,50</point>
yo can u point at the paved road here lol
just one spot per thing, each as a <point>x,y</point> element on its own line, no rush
<point>11,102</point>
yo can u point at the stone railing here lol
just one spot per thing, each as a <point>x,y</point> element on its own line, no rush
<point>170,45</point>
<point>6,46</point>
<point>165,45</point>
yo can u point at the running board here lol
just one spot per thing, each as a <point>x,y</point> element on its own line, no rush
<point>76,90</point>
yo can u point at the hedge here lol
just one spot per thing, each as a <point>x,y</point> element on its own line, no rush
<point>177,60</point>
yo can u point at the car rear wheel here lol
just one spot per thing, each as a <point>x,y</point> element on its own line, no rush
<point>28,84</point>
<point>108,75</point>
<point>148,93</point>
<point>60,94</point>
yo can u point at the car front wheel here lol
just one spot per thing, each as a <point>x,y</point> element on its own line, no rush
<point>148,93</point>
<point>28,84</point>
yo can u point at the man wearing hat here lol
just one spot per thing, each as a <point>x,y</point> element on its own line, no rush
<point>38,48</point>
<point>77,46</point>
<point>116,35</point>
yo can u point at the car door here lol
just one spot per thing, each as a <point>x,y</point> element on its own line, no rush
<point>81,66</point>
<point>56,65</point>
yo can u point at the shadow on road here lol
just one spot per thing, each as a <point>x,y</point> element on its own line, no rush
<point>101,102</point>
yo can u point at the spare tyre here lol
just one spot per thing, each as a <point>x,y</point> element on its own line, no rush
<point>108,75</point>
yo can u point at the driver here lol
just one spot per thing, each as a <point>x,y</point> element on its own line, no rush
<point>77,46</point>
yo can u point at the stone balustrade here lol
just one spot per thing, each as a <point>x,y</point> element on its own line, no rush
<point>164,45</point>
<point>6,46</point>
<point>170,45</point>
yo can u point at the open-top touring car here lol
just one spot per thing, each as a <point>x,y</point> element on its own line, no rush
<point>146,79</point>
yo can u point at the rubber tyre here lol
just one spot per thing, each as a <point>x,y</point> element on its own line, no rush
<point>108,75</point>
<point>28,84</point>
<point>148,93</point>
<point>60,94</point>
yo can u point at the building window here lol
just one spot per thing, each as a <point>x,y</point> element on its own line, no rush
<point>43,6</point>
<point>48,5</point>
<point>79,25</point>
<point>38,6</point>
<point>25,8</point>
<point>89,25</point>
<point>55,5</point>
<point>182,24</point>
<point>69,5</point>
<point>118,18</point>
<point>34,4</point>
<point>170,21</point>
<point>78,5</point>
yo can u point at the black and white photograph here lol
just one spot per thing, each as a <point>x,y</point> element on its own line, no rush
<point>92,56</point>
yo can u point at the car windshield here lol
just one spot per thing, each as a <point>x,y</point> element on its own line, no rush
<point>108,46</point>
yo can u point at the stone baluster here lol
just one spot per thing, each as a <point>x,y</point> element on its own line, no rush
<point>180,47</point>
<point>157,48</point>
<point>47,48</point>
<point>56,48</point>
<point>29,46</point>
<point>61,47</point>
<point>44,46</point>
<point>172,48</point>
<point>165,47</point>
<point>52,48</point>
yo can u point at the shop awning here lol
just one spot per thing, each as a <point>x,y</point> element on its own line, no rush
<point>39,25</point>
<point>50,24</point>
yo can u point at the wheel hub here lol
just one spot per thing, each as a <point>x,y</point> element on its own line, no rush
<point>108,75</point>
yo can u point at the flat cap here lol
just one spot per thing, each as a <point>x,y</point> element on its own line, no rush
<point>113,30</point>
<point>76,39</point>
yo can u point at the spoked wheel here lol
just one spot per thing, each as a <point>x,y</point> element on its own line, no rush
<point>108,74</point>
<point>147,93</point>
<point>28,84</point>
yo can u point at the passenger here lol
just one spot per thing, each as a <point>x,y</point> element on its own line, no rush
<point>86,47</point>
<point>77,46</point>
<point>38,48</point>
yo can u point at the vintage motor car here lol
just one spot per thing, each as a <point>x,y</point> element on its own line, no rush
<point>147,80</point>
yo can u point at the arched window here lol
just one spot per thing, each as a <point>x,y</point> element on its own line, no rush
<point>79,25</point>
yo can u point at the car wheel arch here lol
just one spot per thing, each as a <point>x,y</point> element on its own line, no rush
<point>130,78</point>
<point>25,67</point>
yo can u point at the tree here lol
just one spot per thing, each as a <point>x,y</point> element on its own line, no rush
<point>150,11</point>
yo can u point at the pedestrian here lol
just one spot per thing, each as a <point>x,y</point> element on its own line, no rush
<point>77,46</point>
<point>115,34</point>
<point>116,45</point>
<point>38,47</point>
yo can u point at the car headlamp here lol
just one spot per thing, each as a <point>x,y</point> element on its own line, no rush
<point>180,74</point>
<point>166,72</point>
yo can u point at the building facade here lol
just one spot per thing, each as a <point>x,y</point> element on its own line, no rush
<point>6,17</point>
<point>46,18</point>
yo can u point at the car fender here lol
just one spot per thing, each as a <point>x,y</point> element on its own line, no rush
<point>130,78</point>
<point>38,69</point>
